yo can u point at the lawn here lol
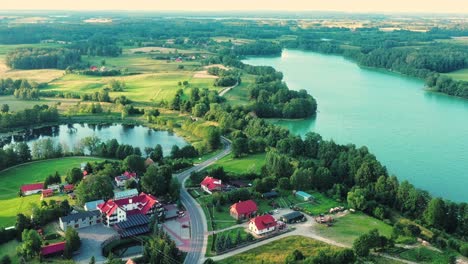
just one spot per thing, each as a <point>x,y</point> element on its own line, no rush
<point>461,75</point>
<point>277,251</point>
<point>247,164</point>
<point>232,233</point>
<point>422,255</point>
<point>347,228</point>
<point>221,219</point>
<point>320,204</point>
<point>12,179</point>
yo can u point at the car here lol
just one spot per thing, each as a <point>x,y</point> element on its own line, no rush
<point>185,226</point>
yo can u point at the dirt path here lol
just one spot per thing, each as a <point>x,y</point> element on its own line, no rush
<point>227,89</point>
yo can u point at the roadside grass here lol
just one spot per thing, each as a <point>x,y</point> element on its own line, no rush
<point>12,179</point>
<point>349,227</point>
<point>460,75</point>
<point>277,251</point>
<point>248,164</point>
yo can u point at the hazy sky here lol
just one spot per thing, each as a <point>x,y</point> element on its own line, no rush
<point>432,6</point>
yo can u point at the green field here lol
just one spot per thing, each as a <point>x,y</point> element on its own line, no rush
<point>461,75</point>
<point>247,164</point>
<point>221,219</point>
<point>277,251</point>
<point>240,94</point>
<point>347,228</point>
<point>12,179</point>
<point>320,204</point>
<point>421,255</point>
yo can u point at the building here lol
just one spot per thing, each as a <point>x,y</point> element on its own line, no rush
<point>116,210</point>
<point>243,210</point>
<point>149,162</point>
<point>34,188</point>
<point>122,179</point>
<point>293,217</point>
<point>80,220</point>
<point>92,206</point>
<point>270,195</point>
<point>304,196</point>
<point>68,188</point>
<point>47,193</point>
<point>262,224</point>
<point>125,194</point>
<point>130,261</point>
<point>53,249</point>
<point>210,184</point>
<point>135,225</point>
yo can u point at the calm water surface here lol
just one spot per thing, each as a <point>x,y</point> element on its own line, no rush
<point>420,136</point>
<point>137,136</point>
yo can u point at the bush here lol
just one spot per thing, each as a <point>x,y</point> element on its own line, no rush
<point>51,236</point>
<point>464,250</point>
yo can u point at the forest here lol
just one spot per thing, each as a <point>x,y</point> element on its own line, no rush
<point>38,115</point>
<point>42,58</point>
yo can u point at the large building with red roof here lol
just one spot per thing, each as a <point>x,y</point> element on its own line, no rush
<point>262,224</point>
<point>116,210</point>
<point>210,184</point>
<point>34,188</point>
<point>243,210</point>
<point>53,249</point>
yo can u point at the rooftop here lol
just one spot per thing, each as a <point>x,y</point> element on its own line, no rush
<point>264,221</point>
<point>80,215</point>
<point>211,183</point>
<point>245,207</point>
<point>53,248</point>
<point>125,194</point>
<point>32,187</point>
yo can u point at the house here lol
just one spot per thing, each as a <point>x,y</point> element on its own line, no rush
<point>149,162</point>
<point>53,249</point>
<point>34,188</point>
<point>122,179</point>
<point>68,188</point>
<point>270,195</point>
<point>47,193</point>
<point>293,217</point>
<point>210,184</point>
<point>262,224</point>
<point>54,187</point>
<point>170,211</point>
<point>304,196</point>
<point>125,194</point>
<point>92,206</point>
<point>79,220</point>
<point>116,210</point>
<point>135,225</point>
<point>243,210</point>
<point>93,68</point>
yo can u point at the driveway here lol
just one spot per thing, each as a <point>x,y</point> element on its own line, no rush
<point>91,240</point>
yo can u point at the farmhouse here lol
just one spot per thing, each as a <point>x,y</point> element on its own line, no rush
<point>116,210</point>
<point>79,220</point>
<point>293,217</point>
<point>29,189</point>
<point>53,249</point>
<point>210,184</point>
<point>304,196</point>
<point>92,206</point>
<point>243,210</point>
<point>47,193</point>
<point>262,224</point>
<point>125,194</point>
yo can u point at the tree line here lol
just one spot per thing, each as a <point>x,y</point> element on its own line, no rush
<point>42,58</point>
<point>39,114</point>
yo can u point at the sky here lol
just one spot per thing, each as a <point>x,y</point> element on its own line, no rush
<point>419,6</point>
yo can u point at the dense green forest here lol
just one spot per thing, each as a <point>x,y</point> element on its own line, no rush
<point>28,117</point>
<point>42,58</point>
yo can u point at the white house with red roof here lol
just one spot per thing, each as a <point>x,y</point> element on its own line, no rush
<point>262,224</point>
<point>116,210</point>
<point>210,184</point>
<point>34,188</point>
<point>243,210</point>
<point>120,180</point>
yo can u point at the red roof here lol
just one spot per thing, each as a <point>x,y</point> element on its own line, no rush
<point>32,187</point>
<point>211,183</point>
<point>130,174</point>
<point>145,203</point>
<point>245,207</point>
<point>69,187</point>
<point>264,221</point>
<point>53,248</point>
<point>47,191</point>
<point>130,261</point>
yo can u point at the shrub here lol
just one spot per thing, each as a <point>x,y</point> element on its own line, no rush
<point>464,250</point>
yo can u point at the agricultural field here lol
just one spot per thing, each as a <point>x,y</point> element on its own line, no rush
<point>247,164</point>
<point>349,227</point>
<point>277,251</point>
<point>461,75</point>
<point>12,179</point>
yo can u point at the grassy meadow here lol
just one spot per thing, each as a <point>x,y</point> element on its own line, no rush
<point>12,179</point>
<point>461,75</point>
<point>247,164</point>
<point>347,228</point>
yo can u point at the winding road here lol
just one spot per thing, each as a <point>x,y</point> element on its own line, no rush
<point>198,225</point>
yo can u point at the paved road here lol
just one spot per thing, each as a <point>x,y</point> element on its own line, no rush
<point>198,225</point>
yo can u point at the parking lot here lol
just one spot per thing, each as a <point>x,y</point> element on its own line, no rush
<point>91,239</point>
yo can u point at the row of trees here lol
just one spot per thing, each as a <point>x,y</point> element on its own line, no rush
<point>21,88</point>
<point>39,114</point>
<point>42,58</point>
<point>447,85</point>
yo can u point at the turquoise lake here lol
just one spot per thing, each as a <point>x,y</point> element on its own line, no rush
<point>418,135</point>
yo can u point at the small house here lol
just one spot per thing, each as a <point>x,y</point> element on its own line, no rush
<point>304,196</point>
<point>270,195</point>
<point>210,184</point>
<point>53,249</point>
<point>93,68</point>
<point>68,188</point>
<point>47,193</point>
<point>243,210</point>
<point>262,224</point>
<point>92,206</point>
<point>34,188</point>
<point>80,220</point>
<point>122,179</point>
<point>293,217</point>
